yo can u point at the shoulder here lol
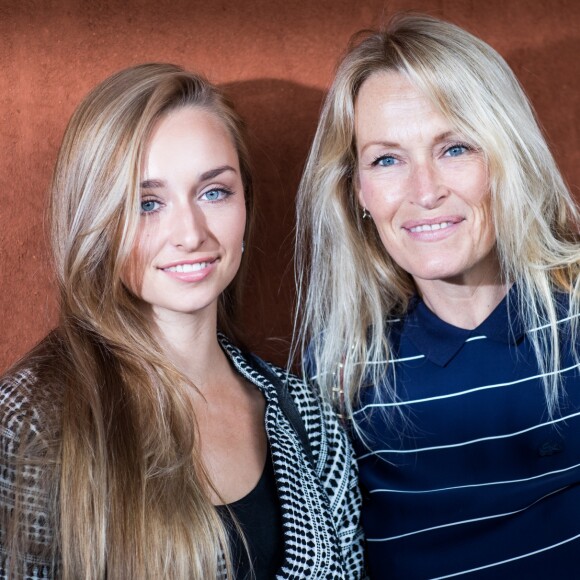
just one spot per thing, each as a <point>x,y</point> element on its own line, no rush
<point>29,427</point>
<point>327,438</point>
<point>31,396</point>
<point>301,391</point>
<point>271,379</point>
<point>276,383</point>
<point>559,312</point>
<point>261,372</point>
<point>565,307</point>
<point>17,411</point>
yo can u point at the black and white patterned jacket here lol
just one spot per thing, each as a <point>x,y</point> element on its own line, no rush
<point>320,503</point>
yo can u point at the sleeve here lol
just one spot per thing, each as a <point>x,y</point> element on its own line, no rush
<point>27,543</point>
<point>337,470</point>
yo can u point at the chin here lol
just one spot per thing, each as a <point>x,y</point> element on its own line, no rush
<point>434,272</point>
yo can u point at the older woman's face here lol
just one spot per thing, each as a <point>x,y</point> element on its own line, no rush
<point>424,184</point>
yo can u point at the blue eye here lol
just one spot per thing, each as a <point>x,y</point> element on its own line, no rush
<point>216,194</point>
<point>212,195</point>
<point>456,150</point>
<point>149,206</point>
<point>385,161</point>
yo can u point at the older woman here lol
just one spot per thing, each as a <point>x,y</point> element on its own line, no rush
<point>139,440</point>
<point>441,307</point>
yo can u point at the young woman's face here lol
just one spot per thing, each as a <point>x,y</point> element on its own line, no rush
<point>193,214</point>
<point>424,184</point>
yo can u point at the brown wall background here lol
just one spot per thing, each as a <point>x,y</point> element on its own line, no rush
<point>276,58</point>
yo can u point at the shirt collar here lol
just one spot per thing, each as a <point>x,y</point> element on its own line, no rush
<point>240,361</point>
<point>440,341</point>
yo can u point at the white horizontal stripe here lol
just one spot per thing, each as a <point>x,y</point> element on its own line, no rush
<point>461,522</point>
<point>511,559</point>
<point>480,337</point>
<point>557,322</point>
<point>506,482</point>
<point>471,441</point>
<point>465,392</point>
<point>405,359</point>
<point>374,363</point>
<point>394,360</point>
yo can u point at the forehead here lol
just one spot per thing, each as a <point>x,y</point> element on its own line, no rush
<point>188,121</point>
<point>386,85</point>
<point>189,137</point>
<point>389,106</point>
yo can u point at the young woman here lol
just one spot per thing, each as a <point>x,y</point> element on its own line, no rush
<point>138,440</point>
<point>441,307</point>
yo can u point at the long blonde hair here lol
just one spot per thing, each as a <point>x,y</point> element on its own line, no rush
<point>348,286</point>
<point>131,492</point>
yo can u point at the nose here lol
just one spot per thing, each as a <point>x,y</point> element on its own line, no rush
<point>426,187</point>
<point>188,227</point>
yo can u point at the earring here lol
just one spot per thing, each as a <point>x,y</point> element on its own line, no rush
<point>365,213</point>
<point>243,246</point>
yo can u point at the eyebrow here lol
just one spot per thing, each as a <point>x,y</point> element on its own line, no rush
<point>206,176</point>
<point>152,184</point>
<point>392,144</point>
<point>212,173</point>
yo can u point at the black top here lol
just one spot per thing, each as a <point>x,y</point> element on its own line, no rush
<point>260,518</point>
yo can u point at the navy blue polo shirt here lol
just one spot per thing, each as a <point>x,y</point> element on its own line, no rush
<point>478,480</point>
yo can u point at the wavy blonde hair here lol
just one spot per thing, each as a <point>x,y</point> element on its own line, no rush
<point>348,286</point>
<point>131,493</point>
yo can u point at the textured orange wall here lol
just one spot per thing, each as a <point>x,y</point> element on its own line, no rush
<point>276,57</point>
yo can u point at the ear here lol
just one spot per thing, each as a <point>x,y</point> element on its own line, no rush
<point>361,199</point>
<point>358,190</point>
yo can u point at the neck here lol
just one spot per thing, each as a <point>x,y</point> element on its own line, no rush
<point>190,343</point>
<point>464,306</point>
<point>465,301</point>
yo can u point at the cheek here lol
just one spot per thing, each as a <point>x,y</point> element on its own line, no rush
<point>240,222</point>
<point>482,202</point>
<point>231,226</point>
<point>139,257</point>
<point>132,276</point>
<point>473,179</point>
<point>366,188</point>
<point>488,227</point>
<point>391,245</point>
<point>381,197</point>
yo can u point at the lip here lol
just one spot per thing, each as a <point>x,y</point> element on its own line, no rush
<point>190,270</point>
<point>450,224</point>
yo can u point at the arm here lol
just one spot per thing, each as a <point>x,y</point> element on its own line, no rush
<point>27,542</point>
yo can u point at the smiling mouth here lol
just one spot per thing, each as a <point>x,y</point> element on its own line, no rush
<point>431,227</point>
<point>186,268</point>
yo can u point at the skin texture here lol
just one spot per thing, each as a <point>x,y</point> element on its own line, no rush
<point>193,212</point>
<point>426,188</point>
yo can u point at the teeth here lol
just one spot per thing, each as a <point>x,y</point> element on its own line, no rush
<point>184,268</point>
<point>432,227</point>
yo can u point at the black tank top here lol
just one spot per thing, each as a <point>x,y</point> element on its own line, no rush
<point>260,518</point>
